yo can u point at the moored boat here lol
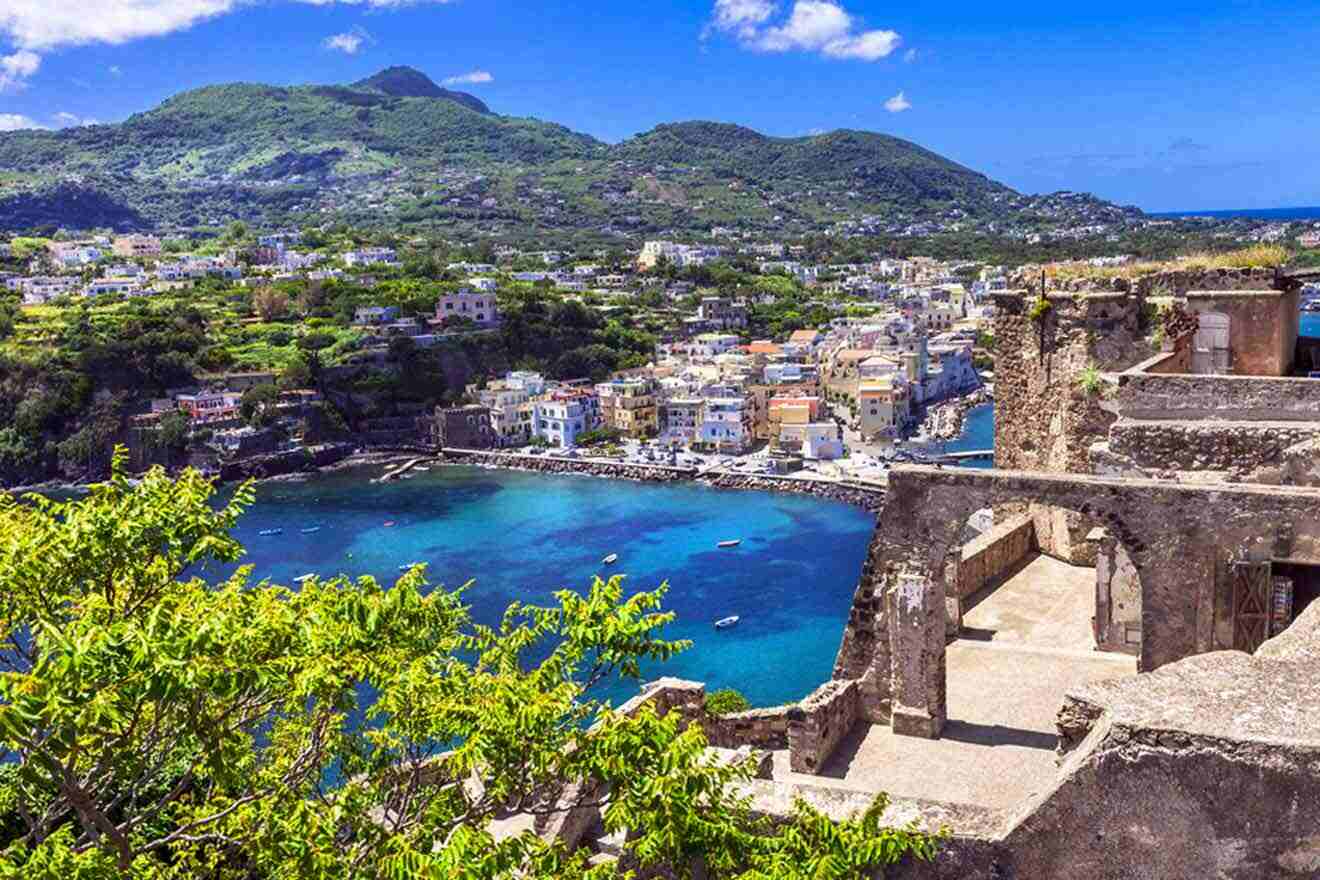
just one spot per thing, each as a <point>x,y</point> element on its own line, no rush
<point>733,543</point>
<point>611,559</point>
<point>726,622</point>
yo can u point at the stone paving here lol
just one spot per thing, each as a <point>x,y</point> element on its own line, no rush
<point>1029,641</point>
<point>1047,603</point>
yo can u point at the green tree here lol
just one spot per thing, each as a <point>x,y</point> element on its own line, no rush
<point>726,702</point>
<point>174,429</point>
<point>257,406</point>
<point>155,724</point>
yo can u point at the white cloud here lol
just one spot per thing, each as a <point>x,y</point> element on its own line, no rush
<point>374,4</point>
<point>741,17</point>
<point>476,76</point>
<point>70,120</point>
<point>17,122</point>
<point>812,26</point>
<point>349,42</point>
<point>40,25</point>
<point>898,103</point>
<point>911,55</point>
<point>16,68</point>
<point>115,70</point>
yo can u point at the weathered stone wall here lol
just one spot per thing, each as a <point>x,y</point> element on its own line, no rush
<point>1180,282</point>
<point>1044,419</point>
<point>1234,450</point>
<point>820,722</point>
<point>810,729</point>
<point>763,728</point>
<point>1222,398</point>
<point>992,554</point>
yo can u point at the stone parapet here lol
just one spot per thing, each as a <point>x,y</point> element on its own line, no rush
<point>820,722</point>
<point>1233,449</point>
<point>764,728</point>
<point>1216,398</point>
<point>993,553</point>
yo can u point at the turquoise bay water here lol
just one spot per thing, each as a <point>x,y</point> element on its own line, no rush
<point>1311,325</point>
<point>978,433</point>
<point>521,536</point>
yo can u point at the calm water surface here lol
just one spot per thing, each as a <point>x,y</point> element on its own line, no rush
<point>521,536</point>
<point>1311,325</point>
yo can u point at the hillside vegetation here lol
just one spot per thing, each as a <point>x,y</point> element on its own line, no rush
<point>397,148</point>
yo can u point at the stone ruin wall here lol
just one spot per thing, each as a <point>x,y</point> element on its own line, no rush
<point>1175,282</point>
<point>1044,420</point>
<point>1212,428</point>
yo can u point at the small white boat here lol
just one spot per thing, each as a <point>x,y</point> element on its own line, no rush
<point>267,533</point>
<point>409,566</point>
<point>304,577</point>
<point>611,559</point>
<point>733,543</point>
<point>311,530</point>
<point>726,622</point>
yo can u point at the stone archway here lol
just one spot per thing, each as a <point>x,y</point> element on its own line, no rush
<point>1179,538</point>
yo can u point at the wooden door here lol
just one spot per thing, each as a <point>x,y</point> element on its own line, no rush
<point>1253,588</point>
<point>1210,351</point>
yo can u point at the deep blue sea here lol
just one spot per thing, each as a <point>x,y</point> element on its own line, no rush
<point>521,536</point>
<point>1257,213</point>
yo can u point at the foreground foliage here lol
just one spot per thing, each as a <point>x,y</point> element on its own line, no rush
<point>156,724</point>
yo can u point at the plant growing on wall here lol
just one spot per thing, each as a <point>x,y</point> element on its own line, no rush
<point>1039,309</point>
<point>1090,381</point>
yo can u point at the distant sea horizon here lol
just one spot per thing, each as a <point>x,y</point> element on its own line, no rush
<point>1253,213</point>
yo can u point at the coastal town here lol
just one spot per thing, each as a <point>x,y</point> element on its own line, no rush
<point>748,356</point>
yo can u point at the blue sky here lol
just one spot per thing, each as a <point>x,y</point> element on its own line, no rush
<point>1167,104</point>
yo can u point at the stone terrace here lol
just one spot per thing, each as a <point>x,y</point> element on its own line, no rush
<point>998,746</point>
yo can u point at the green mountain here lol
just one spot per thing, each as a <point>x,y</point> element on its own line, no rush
<point>398,149</point>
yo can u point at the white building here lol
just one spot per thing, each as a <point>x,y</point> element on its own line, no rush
<point>381,256</point>
<point>726,424</point>
<point>125,286</point>
<point>532,383</point>
<point>681,255</point>
<point>479,308</point>
<point>562,418</point>
<point>505,400</point>
<point>817,441</point>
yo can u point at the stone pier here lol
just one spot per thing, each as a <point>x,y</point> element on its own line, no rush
<point>917,661</point>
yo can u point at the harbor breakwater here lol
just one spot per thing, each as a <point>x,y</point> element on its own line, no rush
<point>864,495</point>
